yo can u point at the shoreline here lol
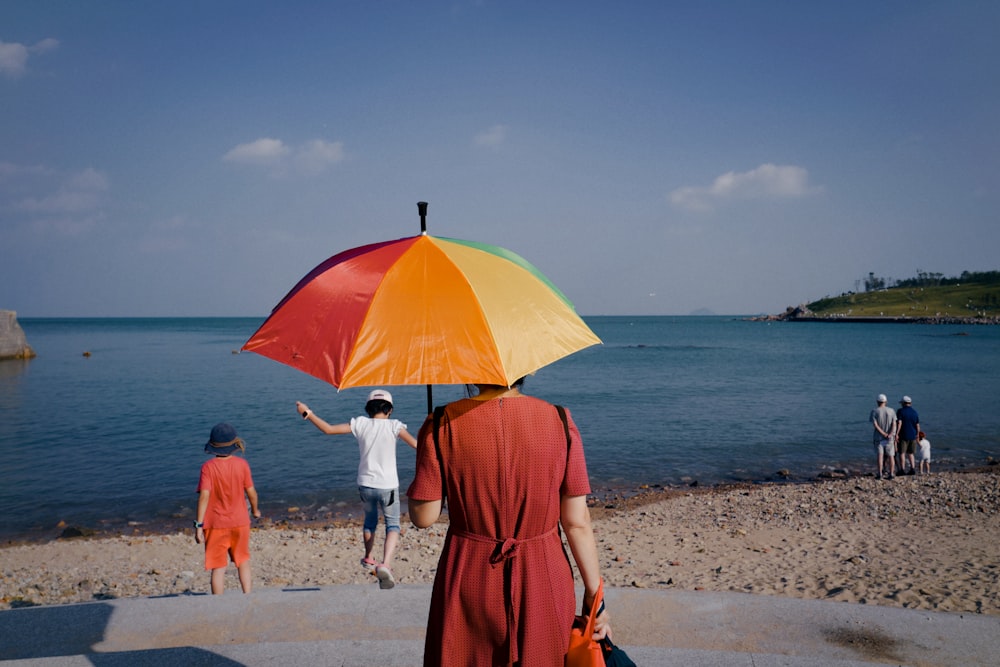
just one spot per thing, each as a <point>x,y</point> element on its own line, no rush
<point>344,514</point>
<point>923,541</point>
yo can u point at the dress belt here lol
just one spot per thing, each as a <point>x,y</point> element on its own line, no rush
<point>505,551</point>
<point>507,547</point>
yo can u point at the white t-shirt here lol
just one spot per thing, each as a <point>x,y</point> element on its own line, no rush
<point>925,450</point>
<point>377,447</point>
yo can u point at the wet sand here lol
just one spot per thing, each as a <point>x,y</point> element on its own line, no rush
<point>924,542</point>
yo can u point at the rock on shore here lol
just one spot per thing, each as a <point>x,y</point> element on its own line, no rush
<point>13,343</point>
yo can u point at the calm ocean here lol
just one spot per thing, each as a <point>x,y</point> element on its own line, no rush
<point>117,436</point>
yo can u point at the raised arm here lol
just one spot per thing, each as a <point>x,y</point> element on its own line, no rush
<point>405,436</point>
<point>329,429</point>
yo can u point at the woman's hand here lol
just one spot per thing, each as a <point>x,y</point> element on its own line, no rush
<point>301,408</point>
<point>602,623</point>
<point>602,626</point>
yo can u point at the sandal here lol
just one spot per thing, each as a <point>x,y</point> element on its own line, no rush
<point>385,578</point>
<point>368,563</point>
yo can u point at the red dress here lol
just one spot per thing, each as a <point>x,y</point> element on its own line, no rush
<point>503,593</point>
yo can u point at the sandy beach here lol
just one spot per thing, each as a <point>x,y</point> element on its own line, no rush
<point>924,542</point>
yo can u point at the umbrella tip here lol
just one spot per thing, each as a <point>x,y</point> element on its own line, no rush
<point>422,210</point>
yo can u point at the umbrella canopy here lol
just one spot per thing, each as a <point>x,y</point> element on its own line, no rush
<point>422,310</point>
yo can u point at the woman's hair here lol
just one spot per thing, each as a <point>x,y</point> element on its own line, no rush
<point>376,406</point>
<point>473,389</point>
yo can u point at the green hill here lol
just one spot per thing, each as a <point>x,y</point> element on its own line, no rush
<point>964,300</point>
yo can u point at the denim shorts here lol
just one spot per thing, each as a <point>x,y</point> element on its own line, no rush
<point>374,500</point>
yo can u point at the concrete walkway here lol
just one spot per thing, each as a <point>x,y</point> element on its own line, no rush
<point>363,626</point>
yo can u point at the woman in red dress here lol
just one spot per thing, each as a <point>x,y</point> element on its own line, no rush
<point>512,471</point>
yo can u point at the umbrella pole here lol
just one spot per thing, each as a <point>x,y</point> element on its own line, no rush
<point>422,210</point>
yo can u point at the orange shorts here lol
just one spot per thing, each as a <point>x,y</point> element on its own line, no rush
<point>223,542</point>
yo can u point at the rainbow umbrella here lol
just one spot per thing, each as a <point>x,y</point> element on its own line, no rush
<point>422,310</point>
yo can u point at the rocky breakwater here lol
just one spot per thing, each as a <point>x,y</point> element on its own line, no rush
<point>13,343</point>
<point>803,314</point>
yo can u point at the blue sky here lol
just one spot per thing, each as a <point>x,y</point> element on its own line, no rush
<point>196,159</point>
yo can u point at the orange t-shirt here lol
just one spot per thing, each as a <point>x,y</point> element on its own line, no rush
<point>227,478</point>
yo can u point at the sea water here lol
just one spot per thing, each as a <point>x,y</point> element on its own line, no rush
<point>107,425</point>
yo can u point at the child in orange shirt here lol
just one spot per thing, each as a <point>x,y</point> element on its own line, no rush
<point>223,522</point>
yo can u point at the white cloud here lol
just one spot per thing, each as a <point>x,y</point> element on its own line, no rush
<point>261,151</point>
<point>314,156</point>
<point>49,202</point>
<point>10,171</point>
<point>44,46</point>
<point>768,181</point>
<point>13,59</point>
<point>81,192</point>
<point>169,235</point>
<point>492,137</point>
<point>14,56</point>
<point>89,179</point>
<point>311,157</point>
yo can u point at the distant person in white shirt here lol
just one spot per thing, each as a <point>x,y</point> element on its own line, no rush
<point>925,453</point>
<point>378,482</point>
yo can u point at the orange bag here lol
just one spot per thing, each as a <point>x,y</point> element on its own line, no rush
<point>583,650</point>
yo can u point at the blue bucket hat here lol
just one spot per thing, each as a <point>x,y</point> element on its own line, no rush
<point>223,440</point>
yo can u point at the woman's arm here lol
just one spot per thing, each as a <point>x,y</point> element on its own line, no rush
<point>423,513</point>
<point>575,519</point>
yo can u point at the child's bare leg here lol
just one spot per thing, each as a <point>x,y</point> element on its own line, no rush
<point>218,580</point>
<point>245,580</point>
<point>369,544</point>
<point>391,541</point>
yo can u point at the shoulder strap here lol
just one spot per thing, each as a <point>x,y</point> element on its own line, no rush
<point>438,414</point>
<point>436,425</point>
<point>562,415</point>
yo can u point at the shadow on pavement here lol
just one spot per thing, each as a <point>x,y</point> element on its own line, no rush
<point>27,632</point>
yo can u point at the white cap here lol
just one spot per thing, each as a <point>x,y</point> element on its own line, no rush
<point>905,399</point>
<point>881,398</point>
<point>380,394</point>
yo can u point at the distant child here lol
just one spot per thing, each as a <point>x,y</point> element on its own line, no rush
<point>378,482</point>
<point>223,522</point>
<point>925,453</point>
